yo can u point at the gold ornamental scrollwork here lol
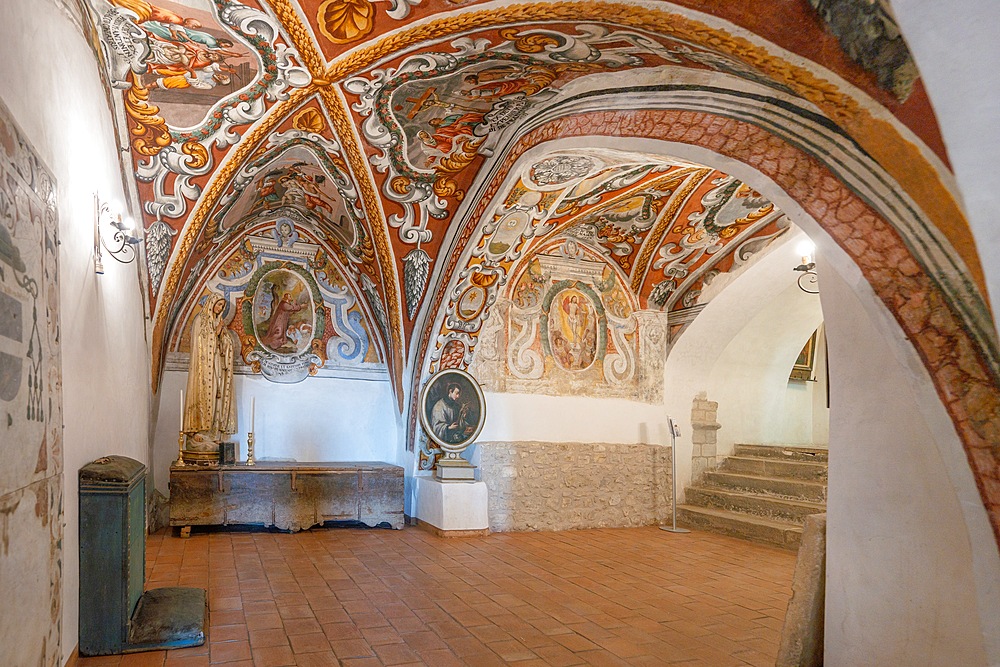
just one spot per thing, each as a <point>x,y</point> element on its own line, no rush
<point>345,129</point>
<point>528,43</point>
<point>879,136</point>
<point>197,152</point>
<point>149,130</point>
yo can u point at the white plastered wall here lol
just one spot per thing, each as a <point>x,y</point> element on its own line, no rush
<point>50,83</point>
<point>957,51</point>
<point>912,568</point>
<point>318,419</point>
<point>739,350</point>
<point>533,417</point>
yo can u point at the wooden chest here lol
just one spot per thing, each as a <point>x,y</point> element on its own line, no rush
<point>288,495</point>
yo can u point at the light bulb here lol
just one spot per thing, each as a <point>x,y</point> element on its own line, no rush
<point>805,249</point>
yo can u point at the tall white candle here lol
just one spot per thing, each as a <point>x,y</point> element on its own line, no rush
<point>253,406</point>
<point>182,411</point>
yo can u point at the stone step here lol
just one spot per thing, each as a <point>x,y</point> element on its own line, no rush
<point>768,507</point>
<point>767,466</point>
<point>775,486</point>
<point>783,452</point>
<point>756,529</point>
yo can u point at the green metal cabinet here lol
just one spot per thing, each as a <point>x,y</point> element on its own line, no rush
<point>115,615</point>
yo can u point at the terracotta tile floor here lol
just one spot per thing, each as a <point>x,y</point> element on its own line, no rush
<point>358,597</point>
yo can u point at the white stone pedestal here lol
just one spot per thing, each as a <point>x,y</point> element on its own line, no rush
<point>452,509</point>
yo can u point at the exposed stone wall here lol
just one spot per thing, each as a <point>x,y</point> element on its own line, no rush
<point>704,428</point>
<point>560,486</point>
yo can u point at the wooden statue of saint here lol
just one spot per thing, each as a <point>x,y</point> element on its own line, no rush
<point>210,408</point>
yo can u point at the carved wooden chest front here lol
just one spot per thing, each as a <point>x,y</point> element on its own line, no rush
<point>288,495</point>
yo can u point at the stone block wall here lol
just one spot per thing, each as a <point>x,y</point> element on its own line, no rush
<point>561,486</point>
<point>704,428</point>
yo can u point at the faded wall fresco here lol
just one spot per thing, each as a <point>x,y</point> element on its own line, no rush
<point>569,326</point>
<point>31,477</point>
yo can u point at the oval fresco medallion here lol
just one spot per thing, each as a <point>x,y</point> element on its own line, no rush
<point>573,330</point>
<point>471,303</point>
<point>284,318</point>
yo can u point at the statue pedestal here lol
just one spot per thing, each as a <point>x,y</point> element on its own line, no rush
<point>452,509</point>
<point>455,470</point>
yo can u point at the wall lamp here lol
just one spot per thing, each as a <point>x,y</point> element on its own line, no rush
<point>808,281</point>
<point>108,224</point>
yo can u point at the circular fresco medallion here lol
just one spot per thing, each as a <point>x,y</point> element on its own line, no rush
<point>283,314</point>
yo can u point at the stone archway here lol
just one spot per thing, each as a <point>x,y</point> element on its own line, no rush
<point>939,310</point>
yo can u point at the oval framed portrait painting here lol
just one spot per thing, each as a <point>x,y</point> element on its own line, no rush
<point>452,409</point>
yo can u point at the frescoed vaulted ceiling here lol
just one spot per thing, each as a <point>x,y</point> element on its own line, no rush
<point>422,150</point>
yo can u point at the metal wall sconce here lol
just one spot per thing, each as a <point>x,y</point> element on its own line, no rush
<point>808,282</point>
<point>121,245</point>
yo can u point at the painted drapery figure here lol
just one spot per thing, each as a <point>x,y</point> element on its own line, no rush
<point>574,334</point>
<point>210,411</point>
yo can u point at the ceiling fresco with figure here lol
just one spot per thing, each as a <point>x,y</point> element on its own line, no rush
<point>371,175</point>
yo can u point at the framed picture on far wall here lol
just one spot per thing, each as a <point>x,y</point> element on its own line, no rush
<point>802,370</point>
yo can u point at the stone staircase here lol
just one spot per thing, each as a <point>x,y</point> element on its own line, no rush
<point>760,493</point>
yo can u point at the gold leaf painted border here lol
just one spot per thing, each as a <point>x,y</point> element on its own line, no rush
<point>345,130</point>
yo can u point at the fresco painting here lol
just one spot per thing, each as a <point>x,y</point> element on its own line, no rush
<point>298,314</point>
<point>572,324</point>
<point>471,303</point>
<point>283,322</point>
<point>568,325</point>
<point>283,316</point>
<point>31,416</point>
<point>190,60</point>
<point>301,181</point>
<point>447,118</point>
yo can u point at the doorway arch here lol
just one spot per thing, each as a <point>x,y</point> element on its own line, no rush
<point>924,322</point>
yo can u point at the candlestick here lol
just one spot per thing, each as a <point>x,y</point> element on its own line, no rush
<point>180,435</point>
<point>250,460</point>
<point>180,450</point>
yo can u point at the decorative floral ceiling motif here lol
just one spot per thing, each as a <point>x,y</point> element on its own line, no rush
<point>242,111</point>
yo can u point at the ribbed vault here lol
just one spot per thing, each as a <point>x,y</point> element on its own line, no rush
<point>402,161</point>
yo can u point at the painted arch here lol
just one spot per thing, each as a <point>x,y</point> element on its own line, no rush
<point>866,163</point>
